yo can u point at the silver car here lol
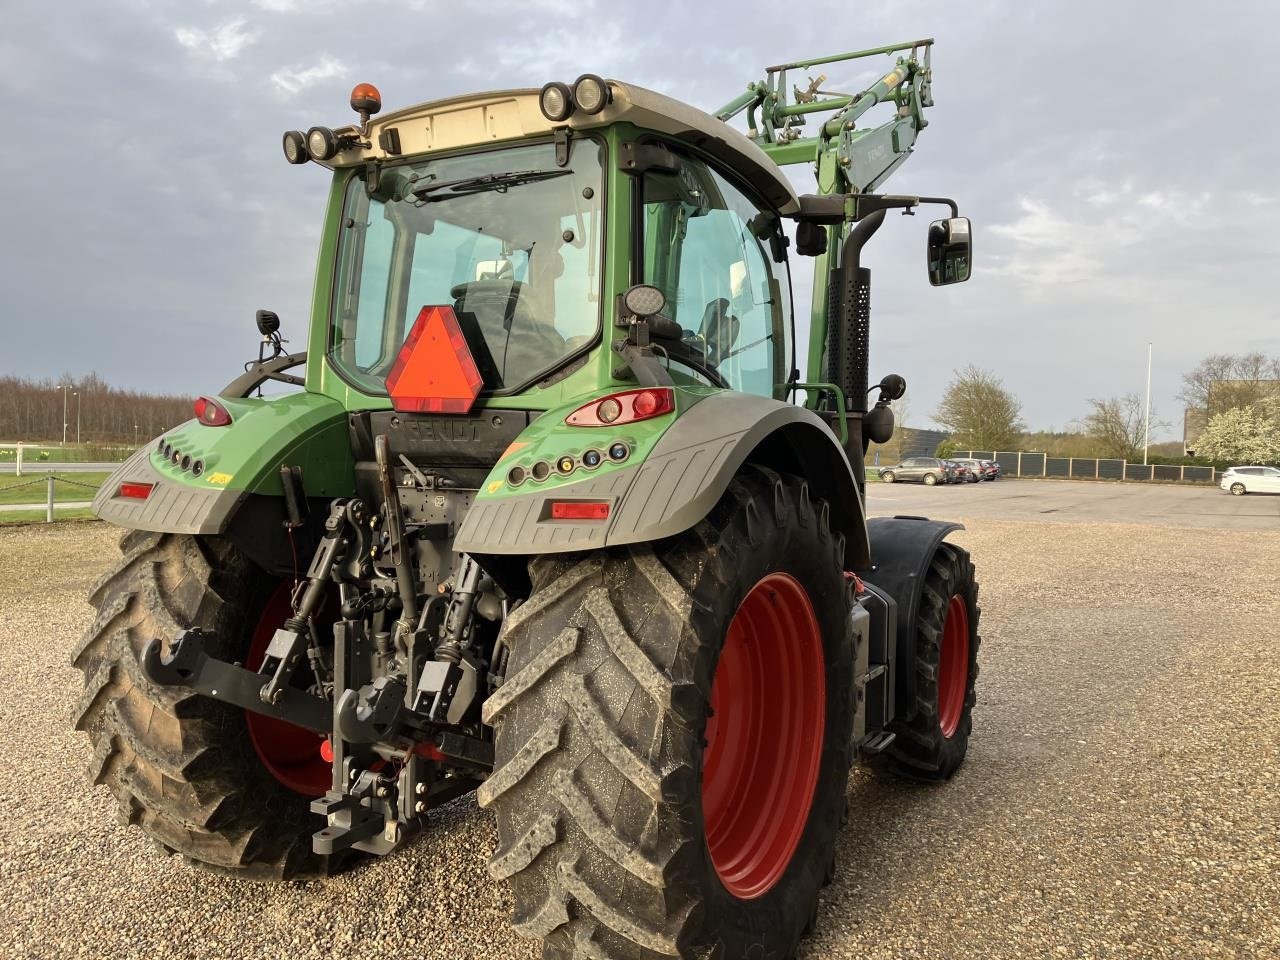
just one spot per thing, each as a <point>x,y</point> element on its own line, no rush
<point>1242,480</point>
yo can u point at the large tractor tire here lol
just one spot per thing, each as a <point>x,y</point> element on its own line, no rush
<point>933,743</point>
<point>193,773</point>
<point>673,737</point>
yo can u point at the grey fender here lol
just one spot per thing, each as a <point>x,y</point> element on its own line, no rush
<point>903,548</point>
<point>684,476</point>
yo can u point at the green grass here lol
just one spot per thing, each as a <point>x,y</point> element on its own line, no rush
<point>38,516</point>
<point>873,474</point>
<point>31,487</point>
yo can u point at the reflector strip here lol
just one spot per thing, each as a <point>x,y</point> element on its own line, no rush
<point>136,491</point>
<point>434,372</point>
<point>579,510</point>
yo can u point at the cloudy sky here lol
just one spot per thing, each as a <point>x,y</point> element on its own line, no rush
<point>1118,160</point>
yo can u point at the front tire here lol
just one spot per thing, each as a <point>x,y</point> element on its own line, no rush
<point>184,767</point>
<point>888,476</point>
<point>932,744</point>
<point>1238,490</point>
<point>634,820</point>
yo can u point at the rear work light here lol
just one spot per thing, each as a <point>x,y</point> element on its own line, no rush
<point>630,406</point>
<point>211,413</point>
<point>579,510</point>
<point>135,491</point>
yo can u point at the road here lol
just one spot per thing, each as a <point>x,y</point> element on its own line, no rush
<point>1120,797</point>
<point>1179,505</point>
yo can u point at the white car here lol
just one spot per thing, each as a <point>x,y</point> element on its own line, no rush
<point>1242,480</point>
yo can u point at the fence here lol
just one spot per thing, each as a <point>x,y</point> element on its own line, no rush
<point>50,502</point>
<point>1023,464</point>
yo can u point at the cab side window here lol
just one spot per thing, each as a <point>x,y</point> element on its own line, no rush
<point>711,250</point>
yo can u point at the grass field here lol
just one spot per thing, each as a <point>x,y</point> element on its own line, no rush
<point>33,455</point>
<point>30,487</point>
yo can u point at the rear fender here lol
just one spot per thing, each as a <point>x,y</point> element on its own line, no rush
<point>683,475</point>
<point>902,549</point>
<point>238,493</point>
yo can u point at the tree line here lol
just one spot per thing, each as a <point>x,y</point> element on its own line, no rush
<point>1239,396</point>
<point>32,410</point>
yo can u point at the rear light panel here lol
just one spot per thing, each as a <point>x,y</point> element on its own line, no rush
<point>135,491</point>
<point>579,510</point>
<point>629,406</point>
<point>211,413</point>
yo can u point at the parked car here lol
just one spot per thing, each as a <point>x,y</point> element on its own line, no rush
<point>982,469</point>
<point>928,470</point>
<point>1242,480</point>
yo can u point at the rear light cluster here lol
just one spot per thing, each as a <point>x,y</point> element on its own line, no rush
<point>183,461</point>
<point>211,413</point>
<point>629,406</point>
<point>135,491</point>
<point>589,459</point>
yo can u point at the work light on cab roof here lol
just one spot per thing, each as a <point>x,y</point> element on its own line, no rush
<point>322,143</point>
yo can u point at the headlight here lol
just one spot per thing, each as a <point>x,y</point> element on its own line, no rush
<point>295,147</point>
<point>322,144</point>
<point>591,93</point>
<point>556,101</point>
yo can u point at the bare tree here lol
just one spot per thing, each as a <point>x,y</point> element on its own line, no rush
<point>980,413</point>
<point>1117,426</point>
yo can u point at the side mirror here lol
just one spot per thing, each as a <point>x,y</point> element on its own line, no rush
<point>950,250</point>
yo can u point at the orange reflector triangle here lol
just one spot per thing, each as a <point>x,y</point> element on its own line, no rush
<point>435,372</point>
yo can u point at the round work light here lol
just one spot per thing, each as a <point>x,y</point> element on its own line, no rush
<point>591,93</point>
<point>322,143</point>
<point>556,101</point>
<point>295,147</point>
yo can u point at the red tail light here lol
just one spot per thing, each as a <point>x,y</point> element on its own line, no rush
<point>629,406</point>
<point>211,413</point>
<point>135,491</point>
<point>579,510</point>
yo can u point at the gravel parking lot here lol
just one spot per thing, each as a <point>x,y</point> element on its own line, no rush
<point>1122,797</point>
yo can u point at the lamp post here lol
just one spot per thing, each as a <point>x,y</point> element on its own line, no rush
<point>76,394</point>
<point>64,387</point>
<point>1146,420</point>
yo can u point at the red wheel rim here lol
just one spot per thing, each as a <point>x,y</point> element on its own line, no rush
<point>764,738</point>
<point>290,753</point>
<point>953,665</point>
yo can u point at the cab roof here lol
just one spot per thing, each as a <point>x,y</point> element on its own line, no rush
<point>483,118</point>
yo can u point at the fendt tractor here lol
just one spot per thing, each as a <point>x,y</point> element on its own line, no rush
<point>551,516</point>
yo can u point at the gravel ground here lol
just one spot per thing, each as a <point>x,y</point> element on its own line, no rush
<point>1121,797</point>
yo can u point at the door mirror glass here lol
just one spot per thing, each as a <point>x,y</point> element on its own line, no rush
<point>950,249</point>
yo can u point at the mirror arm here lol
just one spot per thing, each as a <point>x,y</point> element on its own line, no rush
<point>870,203</point>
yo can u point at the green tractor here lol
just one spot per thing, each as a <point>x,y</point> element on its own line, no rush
<point>552,517</point>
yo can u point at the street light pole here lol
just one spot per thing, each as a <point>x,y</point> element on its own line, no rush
<point>1146,428</point>
<point>77,396</point>
<point>64,387</point>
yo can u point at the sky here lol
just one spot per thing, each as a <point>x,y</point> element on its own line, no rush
<point>1117,160</point>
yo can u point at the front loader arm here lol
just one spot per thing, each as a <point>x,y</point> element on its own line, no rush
<point>849,159</point>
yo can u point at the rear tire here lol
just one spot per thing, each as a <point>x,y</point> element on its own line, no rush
<point>933,743</point>
<point>602,805</point>
<point>183,766</point>
<point>930,479</point>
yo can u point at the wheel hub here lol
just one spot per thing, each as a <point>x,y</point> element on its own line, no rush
<point>764,739</point>
<point>953,665</point>
<point>292,754</point>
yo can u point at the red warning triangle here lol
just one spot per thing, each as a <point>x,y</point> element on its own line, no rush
<point>435,372</point>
